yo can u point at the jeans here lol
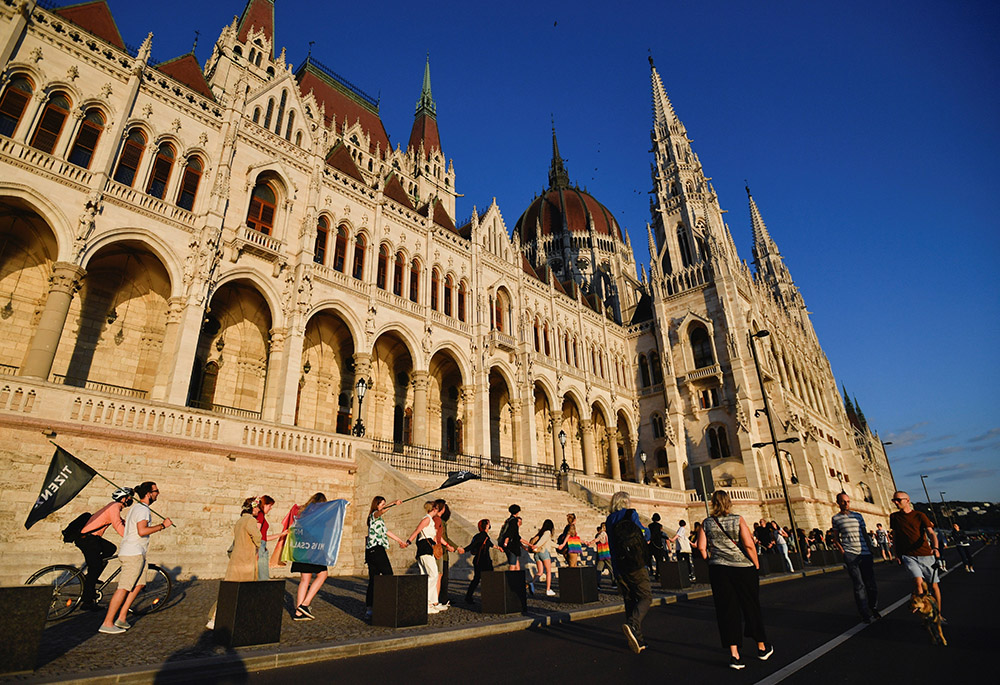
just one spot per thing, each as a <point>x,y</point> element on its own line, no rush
<point>861,569</point>
<point>96,551</point>
<point>636,592</point>
<point>263,562</point>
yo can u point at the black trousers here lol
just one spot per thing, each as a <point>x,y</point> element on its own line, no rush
<point>657,556</point>
<point>378,565</point>
<point>477,575</point>
<point>96,551</point>
<point>735,590</point>
<point>443,594</point>
<point>638,597</point>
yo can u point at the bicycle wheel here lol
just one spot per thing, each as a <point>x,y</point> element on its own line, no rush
<point>156,594</point>
<point>67,588</point>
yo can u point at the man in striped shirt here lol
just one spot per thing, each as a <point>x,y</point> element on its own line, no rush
<point>851,538</point>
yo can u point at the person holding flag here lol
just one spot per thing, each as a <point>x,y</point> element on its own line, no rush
<point>96,550</point>
<point>132,554</point>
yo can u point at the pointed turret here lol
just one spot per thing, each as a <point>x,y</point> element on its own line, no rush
<point>558,176</point>
<point>259,16</point>
<point>762,243</point>
<point>769,263</point>
<point>425,130</point>
<point>663,110</point>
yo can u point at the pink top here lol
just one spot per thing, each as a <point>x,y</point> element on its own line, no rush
<point>110,515</point>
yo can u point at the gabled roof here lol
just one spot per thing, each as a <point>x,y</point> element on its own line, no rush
<point>394,191</point>
<point>258,14</point>
<point>344,101</point>
<point>187,70</point>
<point>440,215</point>
<point>340,159</point>
<point>94,17</point>
<point>559,286</point>
<point>643,310</point>
<point>425,130</point>
<point>528,269</point>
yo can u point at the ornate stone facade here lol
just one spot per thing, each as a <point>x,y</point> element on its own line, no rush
<point>219,252</point>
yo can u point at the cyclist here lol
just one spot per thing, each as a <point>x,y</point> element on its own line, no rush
<point>96,550</point>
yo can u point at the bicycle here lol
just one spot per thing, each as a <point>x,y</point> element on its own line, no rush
<point>67,588</point>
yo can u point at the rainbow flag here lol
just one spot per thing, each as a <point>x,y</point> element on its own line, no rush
<point>314,537</point>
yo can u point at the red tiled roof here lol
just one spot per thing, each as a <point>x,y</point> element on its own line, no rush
<point>440,216</point>
<point>94,17</point>
<point>260,15</point>
<point>340,101</point>
<point>340,159</point>
<point>394,191</point>
<point>528,269</point>
<point>187,70</point>
<point>569,207</point>
<point>425,129</point>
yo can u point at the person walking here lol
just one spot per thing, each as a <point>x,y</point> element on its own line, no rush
<point>244,559</point>
<point>544,545</point>
<point>627,539</point>
<point>726,542</point>
<point>961,540</point>
<point>570,520</point>
<point>781,544</point>
<point>263,557</point>
<point>851,537</point>
<point>510,540</point>
<point>603,554</point>
<point>573,546</point>
<point>132,555</point>
<point>96,550</point>
<point>682,540</point>
<point>312,576</point>
<point>657,555</point>
<point>882,538</point>
<point>910,532</point>
<point>445,544</point>
<point>479,548</point>
<point>424,534</point>
<point>377,546</point>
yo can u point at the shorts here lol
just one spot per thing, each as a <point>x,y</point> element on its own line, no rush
<point>922,567</point>
<point>513,558</point>
<point>133,572</point>
<point>304,567</point>
<point>542,556</point>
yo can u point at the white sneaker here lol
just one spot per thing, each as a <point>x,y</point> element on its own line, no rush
<point>550,593</point>
<point>122,624</point>
<point>433,609</point>
<point>111,630</point>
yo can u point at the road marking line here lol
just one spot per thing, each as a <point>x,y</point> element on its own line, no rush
<point>812,656</point>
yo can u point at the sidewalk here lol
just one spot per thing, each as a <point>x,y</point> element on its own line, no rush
<point>173,644</point>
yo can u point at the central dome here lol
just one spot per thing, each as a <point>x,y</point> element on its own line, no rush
<point>565,210</point>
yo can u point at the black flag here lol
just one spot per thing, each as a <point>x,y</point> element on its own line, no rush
<point>67,476</point>
<point>456,477</point>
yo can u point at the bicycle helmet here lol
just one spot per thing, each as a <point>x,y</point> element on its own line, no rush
<point>122,494</point>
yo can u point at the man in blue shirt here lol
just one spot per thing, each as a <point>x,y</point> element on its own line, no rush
<point>627,539</point>
<point>851,538</point>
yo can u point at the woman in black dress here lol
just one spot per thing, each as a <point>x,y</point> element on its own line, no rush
<point>313,575</point>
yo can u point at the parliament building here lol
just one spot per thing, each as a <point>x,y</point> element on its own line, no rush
<point>228,278</point>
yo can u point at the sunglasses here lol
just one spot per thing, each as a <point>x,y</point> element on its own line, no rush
<point>900,499</point>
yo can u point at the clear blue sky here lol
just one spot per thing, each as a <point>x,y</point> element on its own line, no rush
<point>867,130</point>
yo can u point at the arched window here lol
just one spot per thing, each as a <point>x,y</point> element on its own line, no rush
<point>256,62</point>
<point>383,267</point>
<point>130,157</point>
<point>593,360</point>
<point>655,368</point>
<point>661,459</point>
<point>51,123</point>
<point>449,285</point>
<point>160,175</point>
<point>657,424</point>
<point>498,313</point>
<point>86,139</point>
<point>253,53</point>
<point>538,342</point>
<point>545,335</point>
<point>701,347</point>
<point>270,112</point>
<point>718,442</point>
<point>685,247</point>
<point>566,348</point>
<point>643,372</point>
<point>600,358</point>
<point>256,115</point>
<point>319,247</point>
<point>291,122</point>
<point>435,286</point>
<point>281,111</point>
<point>260,216</point>
<point>298,138</point>
<point>461,301</point>
<point>359,256</point>
<point>397,274</point>
<point>13,103</point>
<point>414,280</point>
<point>340,250</point>
<point>189,184</point>
<point>576,357</point>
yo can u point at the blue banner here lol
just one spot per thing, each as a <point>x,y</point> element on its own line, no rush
<point>315,536</point>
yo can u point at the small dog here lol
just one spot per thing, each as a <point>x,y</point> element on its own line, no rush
<point>927,607</point>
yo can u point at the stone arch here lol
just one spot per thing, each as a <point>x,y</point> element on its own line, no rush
<point>446,408</point>
<point>347,314</point>
<point>326,382</point>
<point>626,446</point>
<point>572,418</point>
<point>153,242</point>
<point>263,287</point>
<point>455,350</point>
<point>392,392</point>
<point>407,335</point>
<point>63,231</point>
<point>543,403</point>
<point>503,420</point>
<point>574,393</point>
<point>602,424</point>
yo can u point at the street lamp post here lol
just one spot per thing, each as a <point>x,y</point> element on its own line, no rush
<point>930,505</point>
<point>359,425</point>
<point>770,426</point>
<point>645,473</point>
<point>564,467</point>
<point>944,513</point>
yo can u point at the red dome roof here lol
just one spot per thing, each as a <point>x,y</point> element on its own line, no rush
<point>568,209</point>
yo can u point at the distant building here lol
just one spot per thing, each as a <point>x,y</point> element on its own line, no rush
<point>198,263</point>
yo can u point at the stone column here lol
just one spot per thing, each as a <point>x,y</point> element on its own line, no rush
<point>288,379</point>
<point>589,458</point>
<point>515,432</point>
<point>175,311</point>
<point>557,449</point>
<point>180,362</point>
<point>469,439</point>
<point>63,284</point>
<point>616,469</point>
<point>275,366</point>
<point>420,382</point>
<point>362,369</point>
<point>528,447</point>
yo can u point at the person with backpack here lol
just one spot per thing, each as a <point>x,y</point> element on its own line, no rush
<point>90,540</point>
<point>510,540</point>
<point>726,542</point>
<point>627,540</point>
<point>479,548</point>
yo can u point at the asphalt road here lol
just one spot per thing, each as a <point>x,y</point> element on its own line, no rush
<point>812,622</point>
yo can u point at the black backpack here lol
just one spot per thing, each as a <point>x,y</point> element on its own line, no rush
<point>629,547</point>
<point>74,531</point>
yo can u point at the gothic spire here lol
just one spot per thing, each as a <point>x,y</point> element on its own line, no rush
<point>558,176</point>
<point>663,110</point>
<point>425,105</point>
<point>762,243</point>
<point>259,15</point>
<point>425,129</point>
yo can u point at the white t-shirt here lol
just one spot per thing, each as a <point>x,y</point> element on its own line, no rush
<point>133,544</point>
<point>683,540</point>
